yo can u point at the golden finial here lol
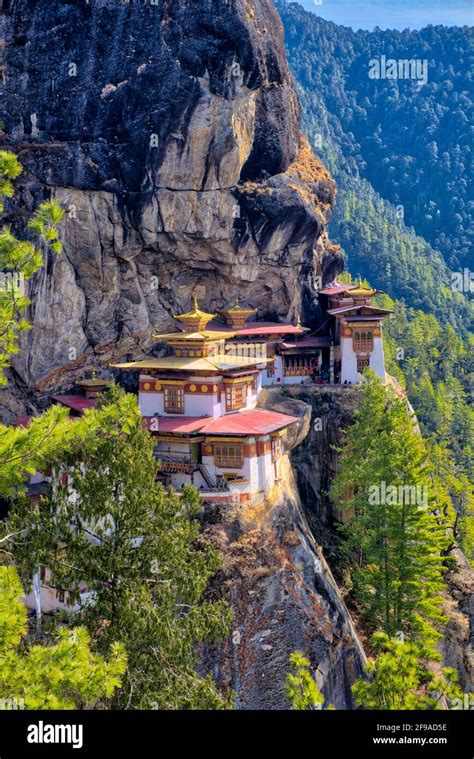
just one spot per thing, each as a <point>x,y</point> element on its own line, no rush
<point>298,320</point>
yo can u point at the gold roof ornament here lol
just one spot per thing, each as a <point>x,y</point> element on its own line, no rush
<point>93,381</point>
<point>94,385</point>
<point>238,308</point>
<point>361,290</point>
<point>195,320</point>
<point>237,315</point>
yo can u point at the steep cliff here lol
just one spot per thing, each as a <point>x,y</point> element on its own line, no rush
<point>170,134</point>
<point>458,645</point>
<point>284,598</point>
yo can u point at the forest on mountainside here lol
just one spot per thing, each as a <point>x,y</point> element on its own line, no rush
<point>400,154</point>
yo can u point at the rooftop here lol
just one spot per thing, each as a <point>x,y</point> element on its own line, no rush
<point>194,313</point>
<point>256,422</point>
<point>203,336</point>
<point>335,289</point>
<point>184,425</point>
<point>359,307</point>
<point>23,421</point>
<point>76,403</point>
<point>260,328</point>
<point>309,342</point>
<point>93,381</point>
<point>238,308</point>
<point>220,362</point>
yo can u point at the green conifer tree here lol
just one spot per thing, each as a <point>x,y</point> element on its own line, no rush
<point>395,538</point>
<point>62,675</point>
<point>301,689</point>
<point>116,531</point>
<point>401,677</point>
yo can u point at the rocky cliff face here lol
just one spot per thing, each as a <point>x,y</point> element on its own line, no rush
<point>169,131</point>
<point>284,598</point>
<point>458,645</point>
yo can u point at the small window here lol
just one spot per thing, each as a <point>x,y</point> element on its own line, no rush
<point>235,397</point>
<point>362,364</point>
<point>229,454</point>
<point>174,400</point>
<point>363,341</point>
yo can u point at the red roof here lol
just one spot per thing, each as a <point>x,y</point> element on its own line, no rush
<point>270,328</point>
<point>336,289</point>
<point>23,421</point>
<point>256,422</point>
<point>76,403</point>
<point>258,328</point>
<point>181,424</point>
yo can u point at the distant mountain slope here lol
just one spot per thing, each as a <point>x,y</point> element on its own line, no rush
<point>378,139</point>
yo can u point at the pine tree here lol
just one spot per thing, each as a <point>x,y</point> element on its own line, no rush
<point>401,677</point>
<point>396,537</point>
<point>62,675</point>
<point>301,689</point>
<point>113,529</point>
<point>24,451</point>
<point>20,259</point>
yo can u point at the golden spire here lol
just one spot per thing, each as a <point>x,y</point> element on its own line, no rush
<point>195,320</point>
<point>361,291</point>
<point>93,385</point>
<point>298,320</point>
<point>237,315</point>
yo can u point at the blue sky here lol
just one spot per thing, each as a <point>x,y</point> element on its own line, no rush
<point>393,14</point>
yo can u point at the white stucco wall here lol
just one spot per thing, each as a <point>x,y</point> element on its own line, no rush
<point>349,371</point>
<point>266,472</point>
<point>277,378</point>
<point>196,404</point>
<point>296,380</point>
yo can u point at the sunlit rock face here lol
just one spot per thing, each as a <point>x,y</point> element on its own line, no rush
<point>283,598</point>
<point>170,134</point>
